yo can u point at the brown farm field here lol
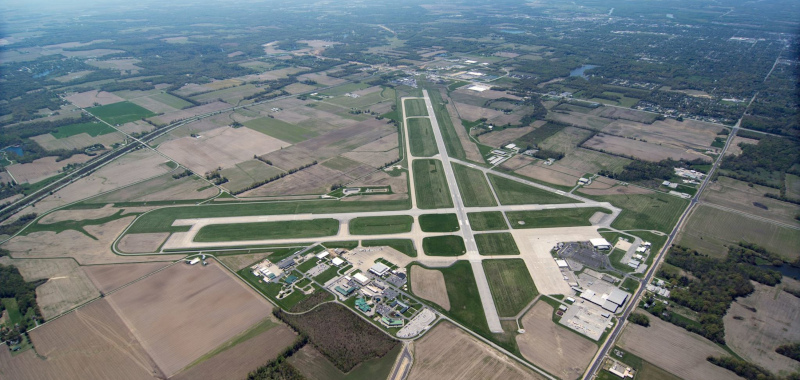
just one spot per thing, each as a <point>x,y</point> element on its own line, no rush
<point>79,141</point>
<point>678,351</point>
<point>90,343</point>
<point>189,112</point>
<point>429,284</point>
<point>589,161</point>
<point>754,335</point>
<point>641,150</point>
<point>67,285</point>
<point>496,139</point>
<point>316,179</point>
<point>557,175</point>
<point>555,348</point>
<point>737,195</point>
<point>42,168</point>
<point>566,140</point>
<point>162,309</point>
<point>686,134</point>
<point>162,188</point>
<point>447,352</point>
<point>109,277</point>
<point>89,98</point>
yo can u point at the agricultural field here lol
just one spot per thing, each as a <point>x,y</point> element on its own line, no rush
<point>590,161</point>
<point>42,168</point>
<point>487,221</point>
<point>290,229</point>
<point>379,225</point>
<point>511,192</point>
<point>496,244</point>
<point>416,107</point>
<point>757,324</point>
<point>109,277</point>
<point>92,98</point>
<point>555,349</point>
<point>566,140</point>
<point>511,285</point>
<point>500,138</point>
<point>420,135</point>
<point>244,174</point>
<point>315,366</point>
<point>161,188</point>
<point>92,129</point>
<point>679,351</point>
<point>566,217</point>
<point>475,191</point>
<point>120,113</point>
<point>709,230</point>
<point>429,284</point>
<point>740,196</point>
<point>447,352</point>
<point>641,150</point>
<point>688,134</point>
<point>187,294</point>
<point>439,223</point>
<point>556,174</point>
<point>446,245</point>
<point>432,190</point>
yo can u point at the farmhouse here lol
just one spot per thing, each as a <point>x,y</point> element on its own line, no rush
<point>379,269</point>
<point>600,243</point>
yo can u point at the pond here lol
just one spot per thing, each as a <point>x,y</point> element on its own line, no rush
<point>579,71</point>
<point>785,269</point>
<point>13,149</point>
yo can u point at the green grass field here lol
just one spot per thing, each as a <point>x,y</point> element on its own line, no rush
<point>280,130</point>
<point>93,129</point>
<point>172,101</point>
<point>405,246</point>
<point>344,88</point>
<point>569,217</point>
<point>511,192</point>
<point>451,140</point>
<point>487,221</point>
<point>448,245</point>
<point>120,113</point>
<point>439,223</point>
<point>494,244</point>
<point>328,274</point>
<point>377,225</point>
<point>511,284</point>
<point>349,244</point>
<point>615,256</point>
<point>472,185</point>
<point>432,190</point>
<point>654,211</point>
<point>420,135</point>
<point>465,301</point>
<point>12,310</point>
<point>268,230</point>
<point>416,107</point>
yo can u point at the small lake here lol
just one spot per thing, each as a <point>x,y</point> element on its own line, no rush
<point>579,71</point>
<point>13,149</point>
<point>785,269</point>
<point>512,31</point>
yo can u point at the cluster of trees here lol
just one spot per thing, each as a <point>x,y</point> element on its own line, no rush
<point>216,178</point>
<point>12,285</point>
<point>747,370</point>
<point>279,368</point>
<point>639,319</point>
<point>273,178</point>
<point>770,155</point>
<point>182,174</point>
<point>639,170</point>
<point>13,227</point>
<point>791,350</point>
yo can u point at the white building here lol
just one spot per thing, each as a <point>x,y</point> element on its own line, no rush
<point>363,280</point>
<point>600,243</point>
<point>337,261</point>
<point>322,254</point>
<point>379,269</point>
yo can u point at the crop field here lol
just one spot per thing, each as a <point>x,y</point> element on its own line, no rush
<point>268,230</point>
<point>200,296</point>
<point>42,168</point>
<point>447,245</point>
<point>120,113</point>
<point>439,223</point>
<point>641,150</point>
<point>378,225</point>
<point>416,107</point>
<point>475,191</point>
<point>171,100</point>
<point>405,246</point>
<point>345,88</point>
<point>556,175</point>
<point>429,284</point>
<point>511,285</point>
<point>496,244</point>
<point>189,112</point>
<point>487,221</point>
<point>589,161</point>
<point>655,211</point>
<point>511,192</point>
<point>330,328</point>
<point>738,195</point>
<point>498,138</point>
<point>689,134</point>
<point>421,139</point>
<point>540,134</point>
<point>757,324</point>
<point>92,342</point>
<point>109,277</point>
<point>578,117</point>
<point>626,114</point>
<point>244,174</point>
<point>230,95</point>
<point>242,354</point>
<point>566,140</point>
<point>316,179</point>
<point>89,98</point>
<point>679,351</point>
<point>448,353</point>
<point>432,190</point>
<point>162,188</point>
<point>568,217</point>
<point>554,348</point>
<point>314,366</point>
<point>92,129</point>
<point>710,229</point>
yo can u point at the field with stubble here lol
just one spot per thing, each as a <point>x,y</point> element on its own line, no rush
<point>185,311</point>
<point>90,343</point>
<point>447,352</point>
<point>554,348</point>
<point>429,284</point>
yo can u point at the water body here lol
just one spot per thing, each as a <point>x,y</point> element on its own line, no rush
<point>512,31</point>
<point>13,149</point>
<point>579,71</point>
<point>785,269</point>
<point>43,74</point>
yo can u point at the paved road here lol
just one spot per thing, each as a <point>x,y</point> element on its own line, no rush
<point>403,364</point>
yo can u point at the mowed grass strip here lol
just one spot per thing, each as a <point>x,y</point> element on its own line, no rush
<point>420,135</point>
<point>290,229</point>
<point>566,217</point>
<point>93,129</point>
<point>405,246</point>
<point>511,285</point>
<point>439,223</point>
<point>472,185</point>
<point>416,107</point>
<point>120,113</point>
<point>511,192</point>
<point>432,189</point>
<point>451,141</point>
<point>501,243</point>
<point>465,301</point>
<point>377,225</point>
<point>654,211</point>
<point>280,130</point>
<point>448,245</point>
<point>487,221</point>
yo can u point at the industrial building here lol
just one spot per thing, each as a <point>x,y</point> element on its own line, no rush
<point>611,302</point>
<point>600,243</point>
<point>337,261</point>
<point>379,269</point>
<point>363,280</point>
